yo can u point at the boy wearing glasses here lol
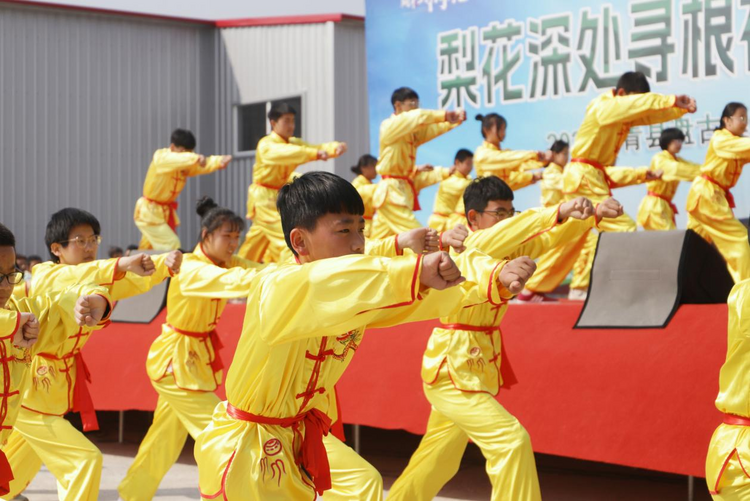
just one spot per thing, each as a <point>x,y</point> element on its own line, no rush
<point>465,364</point>
<point>396,197</point>
<point>32,325</point>
<point>60,377</point>
<point>156,211</point>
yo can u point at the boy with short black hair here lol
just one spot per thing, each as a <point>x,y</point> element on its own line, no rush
<point>156,211</point>
<point>277,156</point>
<point>267,441</point>
<point>465,363</point>
<point>60,376</point>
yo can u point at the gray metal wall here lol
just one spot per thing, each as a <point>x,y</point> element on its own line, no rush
<point>85,99</point>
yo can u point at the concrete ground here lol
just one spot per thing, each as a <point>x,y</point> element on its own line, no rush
<point>561,479</point>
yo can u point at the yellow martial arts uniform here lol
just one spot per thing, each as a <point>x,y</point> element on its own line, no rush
<point>156,211</point>
<point>462,373</point>
<point>296,343</point>
<point>275,161</point>
<point>728,459</point>
<point>366,190</point>
<point>184,366</point>
<point>55,313</point>
<point>710,202</point>
<point>552,185</point>
<point>657,212</point>
<point>459,215</point>
<point>509,165</point>
<point>449,193</point>
<point>590,174</point>
<point>58,386</point>
<point>396,198</point>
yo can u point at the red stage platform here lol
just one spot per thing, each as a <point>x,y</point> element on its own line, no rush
<point>641,398</point>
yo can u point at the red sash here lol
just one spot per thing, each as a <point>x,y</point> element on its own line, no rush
<point>727,193</point>
<point>82,402</point>
<point>736,420</point>
<point>6,474</point>
<point>599,167</point>
<point>313,455</point>
<point>171,220</point>
<point>277,188</point>
<point>217,364</point>
<point>668,200</point>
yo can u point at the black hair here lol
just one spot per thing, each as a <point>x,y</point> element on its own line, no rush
<point>669,135</point>
<point>131,247</point>
<point>213,217</point>
<point>183,138</point>
<point>364,161</point>
<point>558,146</point>
<point>484,190</point>
<point>279,109</point>
<point>114,250</point>
<point>729,111</point>
<point>462,155</point>
<point>62,223</point>
<point>634,82</point>
<point>21,256</point>
<point>402,94</point>
<point>313,195</point>
<point>34,257</point>
<point>7,239</point>
<point>490,120</point>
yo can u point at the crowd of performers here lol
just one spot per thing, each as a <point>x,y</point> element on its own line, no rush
<point>323,259</point>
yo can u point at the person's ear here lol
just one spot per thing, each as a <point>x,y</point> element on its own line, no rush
<point>471,217</point>
<point>56,249</point>
<point>299,242</point>
<point>621,92</point>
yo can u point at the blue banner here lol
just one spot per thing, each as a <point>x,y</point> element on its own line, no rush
<point>540,63</point>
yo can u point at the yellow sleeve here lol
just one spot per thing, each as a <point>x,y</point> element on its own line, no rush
<point>561,234</point>
<point>676,170</point>
<point>329,147</point>
<point>627,176</point>
<point>482,285</point>
<point>518,180</point>
<point>200,279</point>
<point>8,322</point>
<point>166,161</point>
<point>101,272</point>
<point>430,132</point>
<point>640,109</point>
<point>504,238</point>
<point>294,152</point>
<point>213,163</point>
<point>730,146</point>
<point>495,161</point>
<point>407,122</point>
<point>424,179</point>
<point>332,296</point>
<point>132,284</point>
<point>55,313</point>
<point>382,247</point>
<point>531,165</point>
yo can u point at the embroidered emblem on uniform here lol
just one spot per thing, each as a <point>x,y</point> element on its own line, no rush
<point>272,447</point>
<point>276,469</point>
<point>350,340</point>
<point>191,361</point>
<point>475,351</point>
<point>45,373</point>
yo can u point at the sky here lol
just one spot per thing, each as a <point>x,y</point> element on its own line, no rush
<point>224,9</point>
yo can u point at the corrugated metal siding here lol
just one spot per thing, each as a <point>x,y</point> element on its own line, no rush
<point>85,99</point>
<point>350,90</point>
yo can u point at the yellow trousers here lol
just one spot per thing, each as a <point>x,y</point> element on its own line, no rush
<point>456,417</point>
<point>178,412</point>
<point>391,219</point>
<point>577,255</point>
<point>730,238</point>
<point>728,453</point>
<point>75,462</point>
<point>157,236</point>
<point>265,238</point>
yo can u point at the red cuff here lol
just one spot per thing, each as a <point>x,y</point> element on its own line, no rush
<point>440,241</point>
<point>399,252</point>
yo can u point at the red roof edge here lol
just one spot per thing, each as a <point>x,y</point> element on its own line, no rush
<point>274,21</point>
<point>221,23</point>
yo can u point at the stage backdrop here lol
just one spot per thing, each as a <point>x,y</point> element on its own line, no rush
<point>538,63</point>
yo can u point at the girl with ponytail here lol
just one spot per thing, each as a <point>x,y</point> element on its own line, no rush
<point>184,363</point>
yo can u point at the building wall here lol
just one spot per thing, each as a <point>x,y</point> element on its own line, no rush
<point>86,98</point>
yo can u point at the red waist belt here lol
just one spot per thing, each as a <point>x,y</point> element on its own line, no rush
<point>82,402</point>
<point>415,204</point>
<point>599,167</point>
<point>666,199</point>
<point>441,214</point>
<point>216,364</point>
<point>736,420</point>
<point>313,456</point>
<point>171,220</point>
<point>506,371</point>
<point>727,193</point>
<point>277,188</point>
